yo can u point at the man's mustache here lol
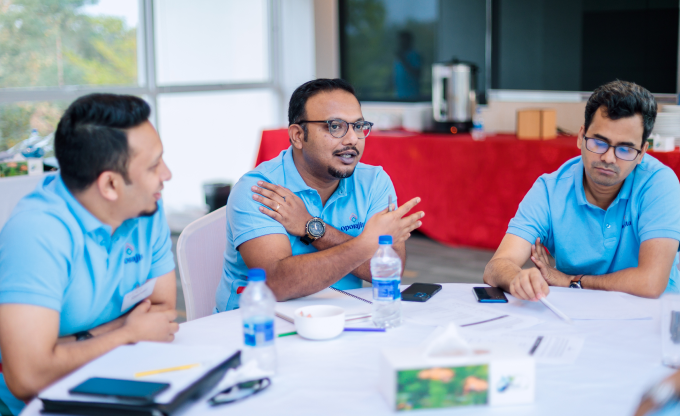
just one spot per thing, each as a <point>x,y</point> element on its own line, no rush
<point>337,152</point>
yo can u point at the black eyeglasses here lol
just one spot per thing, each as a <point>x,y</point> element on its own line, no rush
<point>601,147</point>
<point>338,128</point>
<point>240,391</point>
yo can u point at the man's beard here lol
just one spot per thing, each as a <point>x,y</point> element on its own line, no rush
<point>342,175</point>
<point>338,174</point>
<point>149,213</point>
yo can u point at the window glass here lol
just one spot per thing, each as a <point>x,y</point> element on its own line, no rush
<point>211,41</point>
<point>211,136</point>
<point>68,42</point>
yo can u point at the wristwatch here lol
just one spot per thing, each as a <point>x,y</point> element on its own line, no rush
<point>315,229</point>
<point>661,393</point>
<point>83,335</point>
<point>576,282</point>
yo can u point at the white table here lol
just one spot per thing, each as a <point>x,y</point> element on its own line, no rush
<point>12,189</point>
<point>340,377</point>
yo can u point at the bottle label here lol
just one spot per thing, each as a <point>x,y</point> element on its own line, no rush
<point>258,334</point>
<point>386,289</point>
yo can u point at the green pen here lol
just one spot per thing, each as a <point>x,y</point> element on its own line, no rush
<point>287,334</point>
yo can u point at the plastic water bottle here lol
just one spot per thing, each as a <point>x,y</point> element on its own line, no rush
<point>257,305</point>
<point>386,275</point>
<point>478,125</point>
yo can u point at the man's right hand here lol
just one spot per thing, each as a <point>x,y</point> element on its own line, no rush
<point>144,325</point>
<point>393,223</point>
<point>529,284</point>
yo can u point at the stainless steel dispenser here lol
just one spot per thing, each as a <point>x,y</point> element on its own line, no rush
<point>454,95</point>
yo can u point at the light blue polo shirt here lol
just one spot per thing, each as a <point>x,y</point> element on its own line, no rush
<point>585,239</point>
<point>356,199</point>
<point>55,254</point>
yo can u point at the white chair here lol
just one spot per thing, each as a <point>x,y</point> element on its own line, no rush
<point>200,257</point>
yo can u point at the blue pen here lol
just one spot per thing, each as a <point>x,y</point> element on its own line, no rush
<point>365,329</point>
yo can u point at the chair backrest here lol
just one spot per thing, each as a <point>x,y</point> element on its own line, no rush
<point>200,257</point>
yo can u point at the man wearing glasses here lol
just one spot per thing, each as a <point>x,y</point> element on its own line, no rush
<point>610,218</point>
<point>311,217</point>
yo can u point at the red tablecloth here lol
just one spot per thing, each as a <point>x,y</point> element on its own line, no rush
<point>470,190</point>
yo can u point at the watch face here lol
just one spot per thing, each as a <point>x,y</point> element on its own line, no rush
<point>316,228</point>
<point>574,285</point>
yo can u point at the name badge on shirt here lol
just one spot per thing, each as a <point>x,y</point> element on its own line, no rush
<point>139,294</point>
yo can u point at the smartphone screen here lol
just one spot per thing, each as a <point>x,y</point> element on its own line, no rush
<point>420,292</point>
<point>490,295</point>
<point>126,389</point>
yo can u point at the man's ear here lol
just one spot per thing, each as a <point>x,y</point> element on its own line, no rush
<point>581,133</point>
<point>644,151</point>
<point>109,185</point>
<point>296,135</point>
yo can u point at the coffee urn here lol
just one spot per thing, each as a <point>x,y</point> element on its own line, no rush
<point>454,95</point>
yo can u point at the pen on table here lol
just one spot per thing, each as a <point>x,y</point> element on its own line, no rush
<point>556,311</point>
<point>536,344</point>
<point>166,370</point>
<point>287,334</point>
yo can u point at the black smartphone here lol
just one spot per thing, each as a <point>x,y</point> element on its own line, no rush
<point>490,295</point>
<point>122,389</point>
<point>420,292</point>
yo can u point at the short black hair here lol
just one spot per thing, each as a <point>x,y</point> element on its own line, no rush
<point>296,106</point>
<point>622,99</point>
<point>91,137</point>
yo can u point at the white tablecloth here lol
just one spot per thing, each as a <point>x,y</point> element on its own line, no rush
<point>619,360</point>
<point>12,189</point>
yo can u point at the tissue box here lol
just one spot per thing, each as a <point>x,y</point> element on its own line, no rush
<point>411,380</point>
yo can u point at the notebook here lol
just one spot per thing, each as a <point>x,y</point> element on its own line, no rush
<point>356,307</point>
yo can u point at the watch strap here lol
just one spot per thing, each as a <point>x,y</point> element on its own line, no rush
<point>306,240</point>
<point>576,282</point>
<point>83,335</point>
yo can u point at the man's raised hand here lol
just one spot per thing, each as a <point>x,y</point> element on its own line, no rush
<point>394,223</point>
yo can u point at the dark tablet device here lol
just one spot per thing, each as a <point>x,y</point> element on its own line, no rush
<point>122,389</point>
<point>420,292</point>
<point>490,295</point>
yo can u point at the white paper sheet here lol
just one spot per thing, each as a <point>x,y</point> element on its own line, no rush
<point>125,361</point>
<point>598,305</point>
<point>471,317</point>
<point>546,349</point>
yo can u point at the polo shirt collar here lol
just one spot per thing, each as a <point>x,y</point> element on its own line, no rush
<point>624,192</point>
<point>87,221</point>
<point>294,182</point>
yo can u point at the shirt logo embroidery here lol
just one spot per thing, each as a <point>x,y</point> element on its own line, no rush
<point>626,224</point>
<point>356,225</point>
<point>129,250</point>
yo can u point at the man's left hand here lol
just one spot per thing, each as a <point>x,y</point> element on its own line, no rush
<point>285,207</point>
<point>551,275</point>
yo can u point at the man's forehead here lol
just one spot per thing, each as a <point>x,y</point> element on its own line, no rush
<point>144,139</point>
<point>626,130</point>
<point>333,104</point>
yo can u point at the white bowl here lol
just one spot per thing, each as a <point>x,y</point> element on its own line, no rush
<point>319,321</point>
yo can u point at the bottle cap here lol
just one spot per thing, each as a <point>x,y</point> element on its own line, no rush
<point>385,239</point>
<point>256,275</point>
